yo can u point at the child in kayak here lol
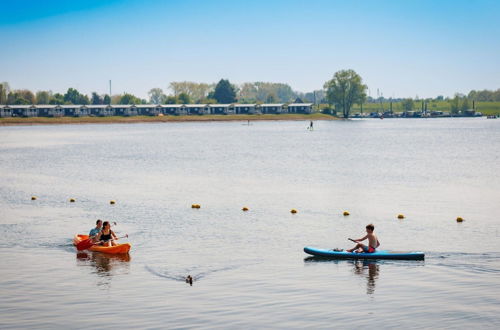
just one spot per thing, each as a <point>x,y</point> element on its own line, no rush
<point>95,231</point>
<point>373,242</point>
<point>107,236</point>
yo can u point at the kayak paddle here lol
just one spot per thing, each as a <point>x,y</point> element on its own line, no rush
<point>85,244</point>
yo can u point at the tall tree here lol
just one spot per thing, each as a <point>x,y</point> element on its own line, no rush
<point>57,98</point>
<point>465,105</point>
<point>224,92</point>
<point>72,96</point>
<point>344,90</point>
<point>184,98</point>
<point>407,104</point>
<point>455,104</point>
<point>106,99</point>
<point>156,96</point>
<point>96,99</point>
<point>21,96</point>
<point>129,99</point>
<point>4,91</point>
<point>43,97</point>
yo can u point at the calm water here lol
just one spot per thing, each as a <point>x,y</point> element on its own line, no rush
<point>249,267</point>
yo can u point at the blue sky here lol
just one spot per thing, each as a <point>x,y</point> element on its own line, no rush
<point>402,48</point>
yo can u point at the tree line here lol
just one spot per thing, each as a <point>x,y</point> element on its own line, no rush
<point>344,90</point>
<point>182,92</point>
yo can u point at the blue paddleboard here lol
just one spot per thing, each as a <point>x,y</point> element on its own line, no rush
<point>379,254</point>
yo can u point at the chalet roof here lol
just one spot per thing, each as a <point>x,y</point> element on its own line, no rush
<point>195,105</point>
<point>219,105</point>
<point>244,105</point>
<point>172,105</point>
<point>19,106</point>
<point>300,104</point>
<point>272,105</point>
<point>147,105</point>
<point>96,106</point>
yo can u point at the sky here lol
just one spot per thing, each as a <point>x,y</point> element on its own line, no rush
<point>403,48</point>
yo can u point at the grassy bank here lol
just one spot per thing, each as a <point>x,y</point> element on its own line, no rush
<point>486,108</point>
<point>157,119</point>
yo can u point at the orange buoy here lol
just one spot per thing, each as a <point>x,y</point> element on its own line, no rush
<point>460,219</point>
<point>401,216</point>
<point>244,208</point>
<point>72,200</point>
<point>33,198</point>
<point>293,211</point>
<point>112,202</point>
<point>346,213</point>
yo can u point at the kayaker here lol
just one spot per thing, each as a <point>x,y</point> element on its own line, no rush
<point>373,242</point>
<point>95,231</point>
<point>106,236</point>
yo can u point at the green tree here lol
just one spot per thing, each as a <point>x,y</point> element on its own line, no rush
<point>454,105</point>
<point>271,98</point>
<point>465,105</point>
<point>183,98</point>
<point>156,96</point>
<point>57,98</point>
<point>21,96</point>
<point>171,100</point>
<point>96,99</point>
<point>106,99</point>
<point>345,89</point>
<point>4,91</point>
<point>407,104</point>
<point>224,92</point>
<point>42,97</point>
<point>129,99</point>
<point>72,96</point>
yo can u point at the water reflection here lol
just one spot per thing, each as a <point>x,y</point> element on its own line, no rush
<point>368,268</point>
<point>106,265</point>
<point>364,268</point>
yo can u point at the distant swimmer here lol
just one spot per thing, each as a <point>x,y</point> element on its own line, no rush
<point>189,280</point>
<point>311,126</point>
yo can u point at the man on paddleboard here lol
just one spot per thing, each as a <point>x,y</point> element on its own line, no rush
<point>373,242</point>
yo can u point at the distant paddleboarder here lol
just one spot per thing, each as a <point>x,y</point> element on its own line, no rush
<point>310,126</point>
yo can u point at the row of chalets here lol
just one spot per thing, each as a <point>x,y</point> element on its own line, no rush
<point>150,109</point>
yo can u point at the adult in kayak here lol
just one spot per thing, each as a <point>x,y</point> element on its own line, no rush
<point>95,231</point>
<point>373,242</point>
<point>106,236</point>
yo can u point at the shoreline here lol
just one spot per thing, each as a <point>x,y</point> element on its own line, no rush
<point>30,121</point>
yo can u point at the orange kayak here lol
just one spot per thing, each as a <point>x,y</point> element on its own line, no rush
<point>120,248</point>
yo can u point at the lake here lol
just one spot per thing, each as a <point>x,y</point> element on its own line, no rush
<point>249,268</point>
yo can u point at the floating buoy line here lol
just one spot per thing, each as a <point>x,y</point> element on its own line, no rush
<point>245,208</point>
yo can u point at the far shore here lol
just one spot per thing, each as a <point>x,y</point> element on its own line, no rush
<point>14,121</point>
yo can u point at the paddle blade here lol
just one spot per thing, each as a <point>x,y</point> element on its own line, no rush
<point>85,244</point>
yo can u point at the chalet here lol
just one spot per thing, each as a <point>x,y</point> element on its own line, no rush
<point>124,110</point>
<point>49,110</point>
<point>173,109</point>
<point>300,108</point>
<point>221,109</point>
<point>23,110</point>
<point>197,109</point>
<point>72,110</point>
<point>272,108</point>
<point>245,108</point>
<point>5,111</point>
<point>100,110</point>
<point>148,109</point>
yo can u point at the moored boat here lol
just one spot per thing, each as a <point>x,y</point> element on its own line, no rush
<point>119,248</point>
